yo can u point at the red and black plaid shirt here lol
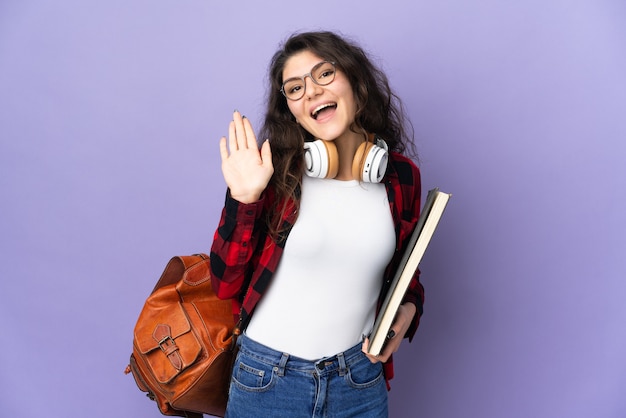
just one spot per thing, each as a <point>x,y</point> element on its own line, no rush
<point>244,257</point>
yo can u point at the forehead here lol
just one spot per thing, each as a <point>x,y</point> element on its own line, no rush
<point>299,64</point>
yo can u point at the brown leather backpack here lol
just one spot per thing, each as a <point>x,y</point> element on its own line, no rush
<point>183,342</point>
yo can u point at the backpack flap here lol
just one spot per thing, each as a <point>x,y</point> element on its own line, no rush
<point>165,340</point>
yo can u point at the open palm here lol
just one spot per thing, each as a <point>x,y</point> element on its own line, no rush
<point>246,169</point>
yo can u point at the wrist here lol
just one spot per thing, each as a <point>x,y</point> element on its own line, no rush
<point>410,308</point>
<point>245,198</point>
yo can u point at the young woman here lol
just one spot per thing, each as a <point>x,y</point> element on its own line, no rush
<point>314,224</point>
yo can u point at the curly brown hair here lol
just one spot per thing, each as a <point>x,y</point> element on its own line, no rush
<point>379,111</point>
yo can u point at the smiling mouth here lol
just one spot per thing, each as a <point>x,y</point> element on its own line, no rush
<point>321,108</point>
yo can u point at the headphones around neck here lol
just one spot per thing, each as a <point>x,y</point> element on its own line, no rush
<point>369,164</point>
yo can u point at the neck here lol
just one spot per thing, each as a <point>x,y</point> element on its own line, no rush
<point>346,148</point>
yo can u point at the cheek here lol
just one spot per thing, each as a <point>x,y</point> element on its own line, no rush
<point>294,109</point>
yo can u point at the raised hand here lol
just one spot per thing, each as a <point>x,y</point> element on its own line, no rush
<point>246,170</point>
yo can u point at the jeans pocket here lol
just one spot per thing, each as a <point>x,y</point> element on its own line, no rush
<point>364,374</point>
<point>253,375</point>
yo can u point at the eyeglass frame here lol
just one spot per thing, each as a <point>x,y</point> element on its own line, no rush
<point>310,75</point>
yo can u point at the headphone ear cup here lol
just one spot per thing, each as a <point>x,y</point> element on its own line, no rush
<point>370,163</point>
<point>321,159</point>
<point>359,160</point>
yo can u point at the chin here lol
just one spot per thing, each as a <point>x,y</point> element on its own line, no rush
<point>329,135</point>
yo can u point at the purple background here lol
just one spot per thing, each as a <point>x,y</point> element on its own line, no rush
<point>110,113</point>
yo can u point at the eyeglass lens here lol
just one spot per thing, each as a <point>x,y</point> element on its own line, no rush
<point>322,74</point>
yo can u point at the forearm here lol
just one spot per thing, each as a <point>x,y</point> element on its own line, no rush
<point>233,245</point>
<point>414,297</point>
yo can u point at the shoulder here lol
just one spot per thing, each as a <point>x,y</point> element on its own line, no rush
<point>404,169</point>
<point>404,184</point>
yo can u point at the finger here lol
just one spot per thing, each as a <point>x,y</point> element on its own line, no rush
<point>232,137</point>
<point>365,347</point>
<point>366,344</point>
<point>250,137</point>
<point>240,132</point>
<point>223,149</point>
<point>266,153</point>
<point>392,345</point>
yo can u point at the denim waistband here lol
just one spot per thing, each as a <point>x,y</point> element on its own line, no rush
<point>261,352</point>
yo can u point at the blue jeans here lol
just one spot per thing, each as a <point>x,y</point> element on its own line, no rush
<point>268,383</point>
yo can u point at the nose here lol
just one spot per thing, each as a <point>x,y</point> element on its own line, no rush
<point>311,89</point>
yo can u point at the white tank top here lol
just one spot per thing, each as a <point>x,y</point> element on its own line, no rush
<point>323,295</point>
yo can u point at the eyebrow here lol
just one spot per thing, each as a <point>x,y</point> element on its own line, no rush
<point>300,76</point>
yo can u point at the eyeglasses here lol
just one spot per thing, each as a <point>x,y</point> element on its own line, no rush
<point>322,74</point>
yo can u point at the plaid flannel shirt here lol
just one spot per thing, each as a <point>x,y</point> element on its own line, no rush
<point>244,257</point>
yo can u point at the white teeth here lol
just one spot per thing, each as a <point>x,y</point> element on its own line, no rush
<point>320,107</point>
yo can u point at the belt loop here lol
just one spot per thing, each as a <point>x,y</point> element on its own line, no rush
<point>342,364</point>
<point>281,365</point>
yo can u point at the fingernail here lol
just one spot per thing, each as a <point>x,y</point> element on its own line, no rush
<point>391,334</point>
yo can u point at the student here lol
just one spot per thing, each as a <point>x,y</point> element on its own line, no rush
<point>309,237</point>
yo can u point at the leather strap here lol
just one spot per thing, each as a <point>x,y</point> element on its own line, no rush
<point>163,335</point>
